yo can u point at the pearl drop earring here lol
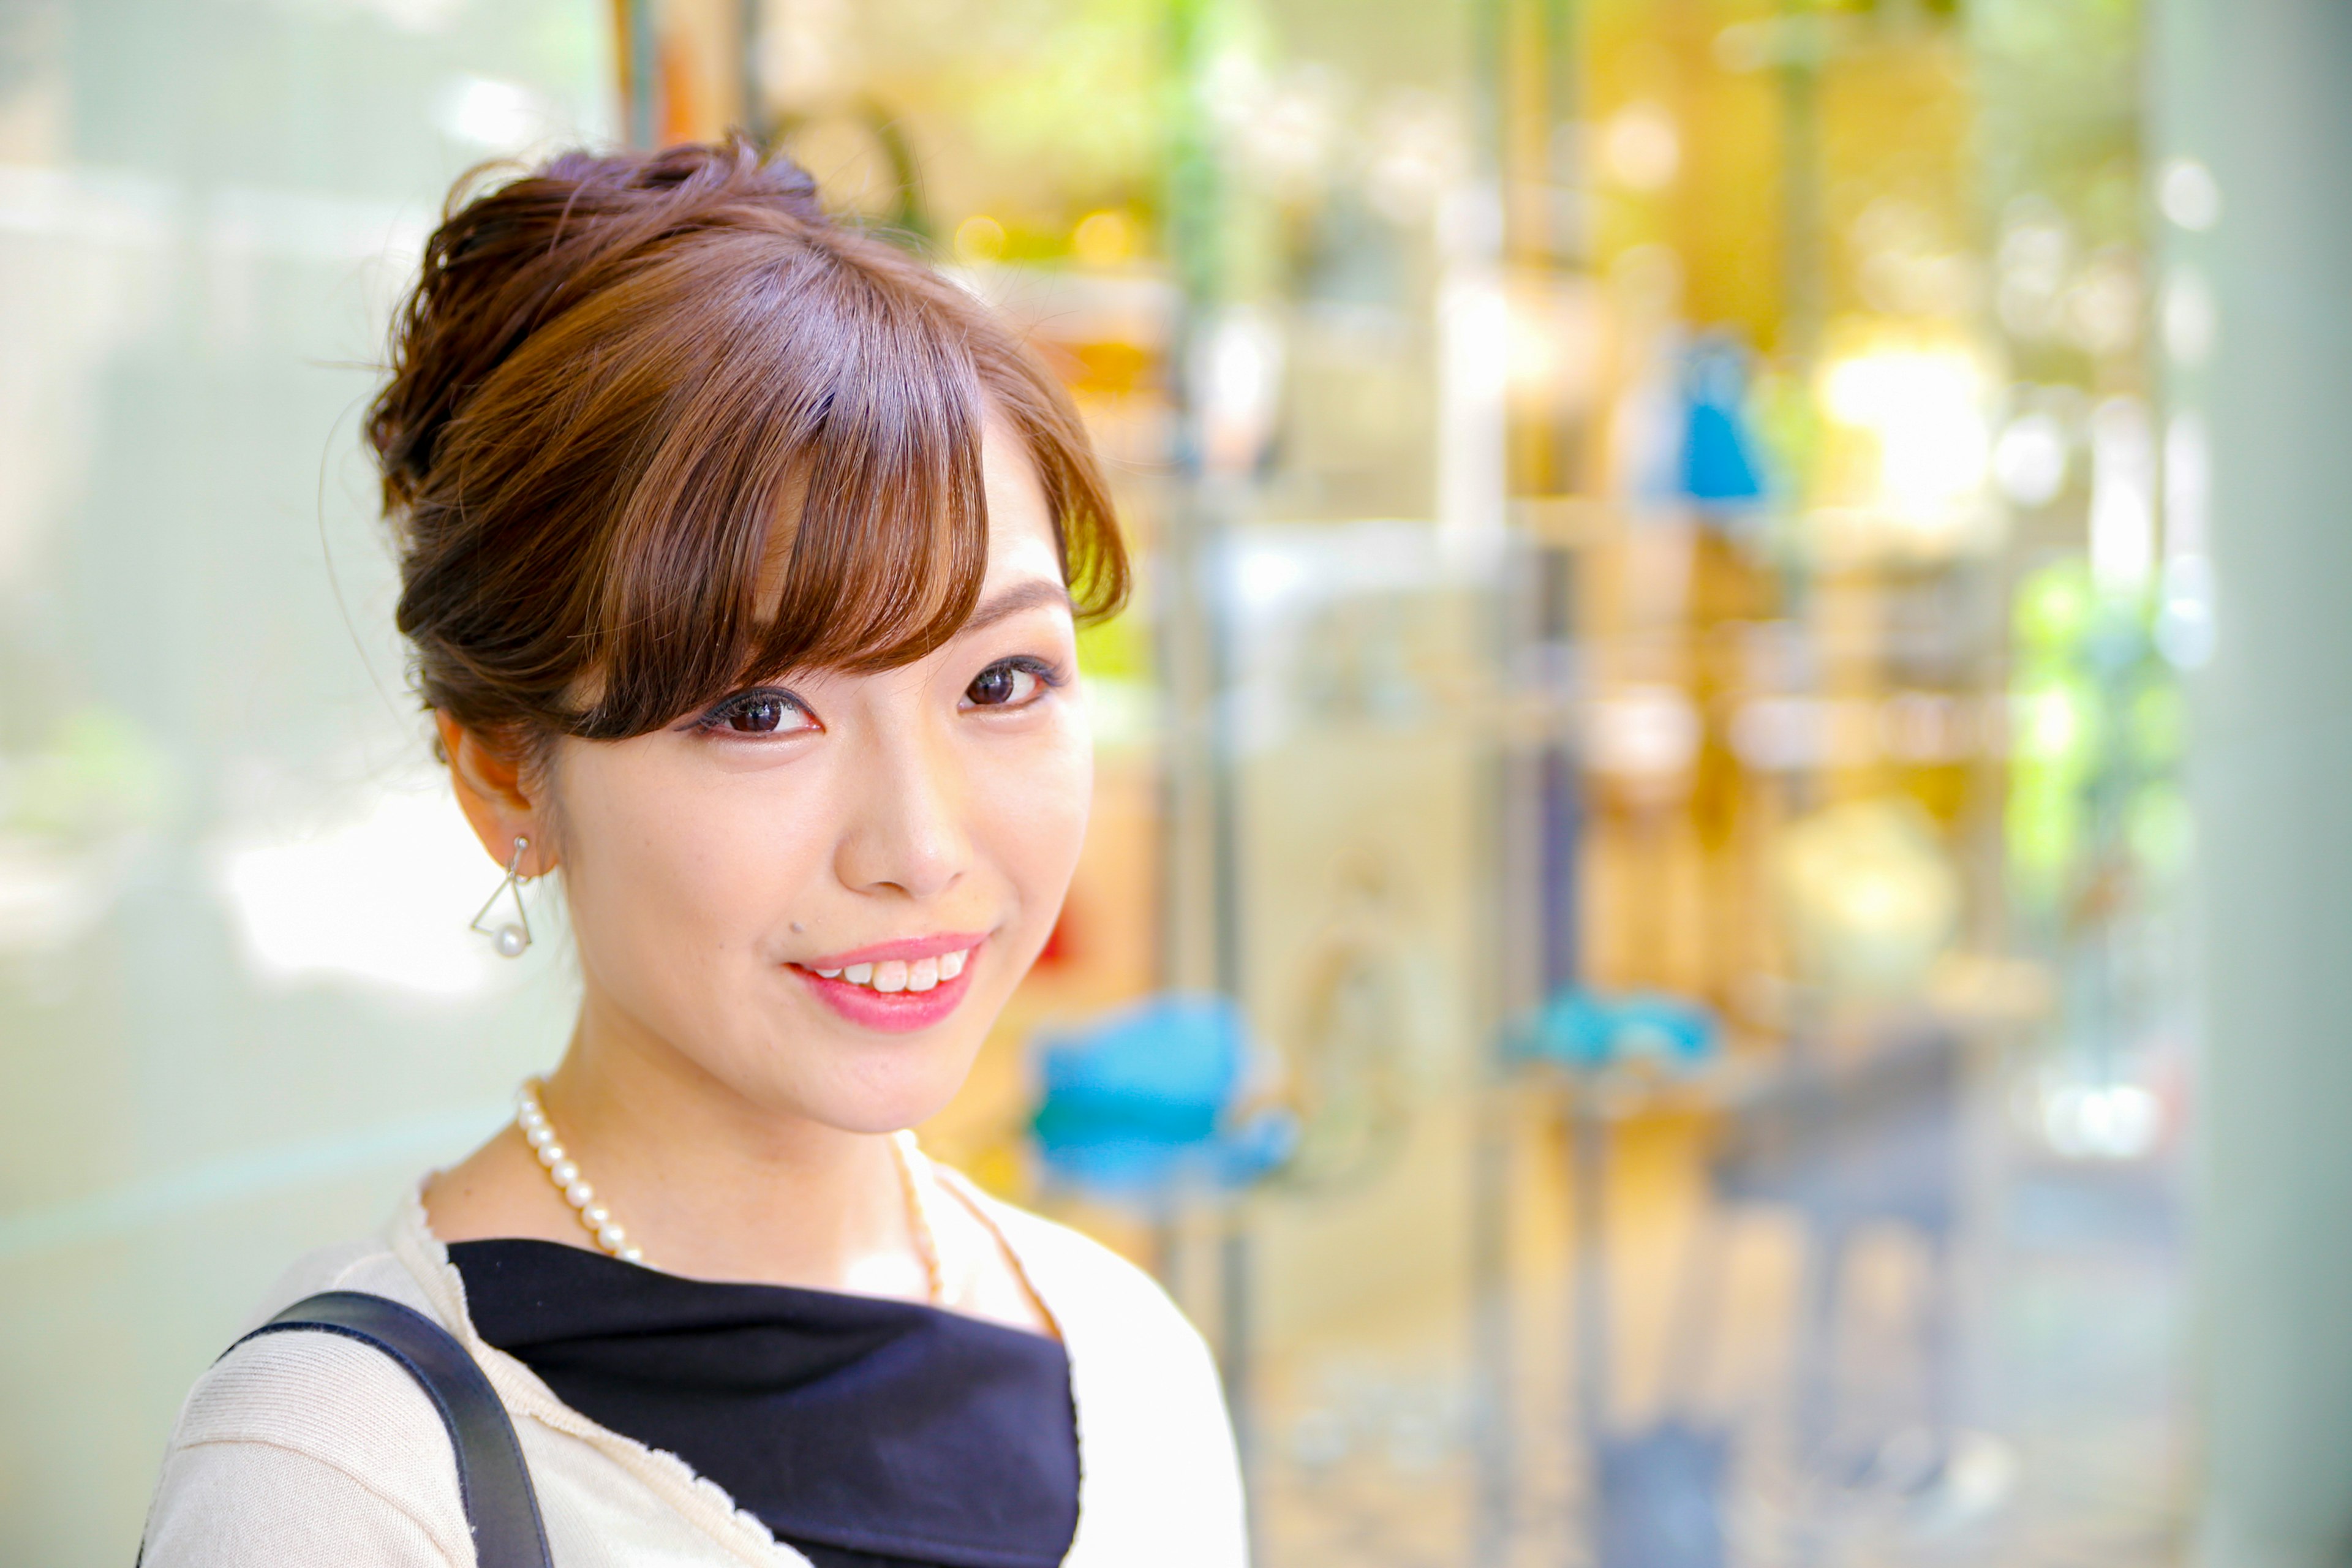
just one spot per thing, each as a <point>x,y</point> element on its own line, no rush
<point>514,936</point>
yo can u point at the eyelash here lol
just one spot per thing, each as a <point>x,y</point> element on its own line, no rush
<point>1047,675</point>
<point>716,720</point>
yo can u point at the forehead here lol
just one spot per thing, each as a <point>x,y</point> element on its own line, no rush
<point>1022,542</point>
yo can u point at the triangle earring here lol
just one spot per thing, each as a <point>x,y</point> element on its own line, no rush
<point>514,936</point>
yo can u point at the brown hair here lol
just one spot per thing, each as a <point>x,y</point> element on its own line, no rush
<point>627,386</point>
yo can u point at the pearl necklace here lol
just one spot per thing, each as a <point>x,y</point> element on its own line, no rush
<point>564,1172</point>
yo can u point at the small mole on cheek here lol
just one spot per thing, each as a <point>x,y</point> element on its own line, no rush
<point>798,928</point>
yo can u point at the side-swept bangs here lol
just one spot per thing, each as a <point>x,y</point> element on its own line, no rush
<point>657,429</point>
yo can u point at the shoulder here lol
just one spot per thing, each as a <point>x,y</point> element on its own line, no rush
<point>298,1426</point>
<point>1086,1287</point>
<point>368,1264</point>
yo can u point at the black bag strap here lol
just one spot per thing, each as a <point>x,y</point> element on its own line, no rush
<point>492,1479</point>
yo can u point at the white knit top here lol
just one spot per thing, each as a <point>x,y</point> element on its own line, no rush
<point>310,1449</point>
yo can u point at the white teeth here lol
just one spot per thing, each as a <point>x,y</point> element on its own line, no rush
<point>900,974</point>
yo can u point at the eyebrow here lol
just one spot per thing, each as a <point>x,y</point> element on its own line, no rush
<point>1032,594</point>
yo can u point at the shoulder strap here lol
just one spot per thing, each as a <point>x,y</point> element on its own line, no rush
<point>492,1479</point>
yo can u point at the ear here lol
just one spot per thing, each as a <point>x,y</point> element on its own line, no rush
<point>496,797</point>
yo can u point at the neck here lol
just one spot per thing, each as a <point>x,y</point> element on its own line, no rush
<point>714,1184</point>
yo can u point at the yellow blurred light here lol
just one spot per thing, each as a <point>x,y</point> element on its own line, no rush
<point>1104,238</point>
<point>1924,408</point>
<point>2050,724</point>
<point>1872,892</point>
<point>1534,359</point>
<point>1641,147</point>
<point>979,238</point>
<point>2052,612</point>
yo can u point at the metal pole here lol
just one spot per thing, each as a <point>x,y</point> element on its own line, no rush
<point>751,31</point>
<point>1198,578</point>
<point>641,106</point>
<point>1493,1503</point>
<point>1588,1173</point>
<point>1804,45</point>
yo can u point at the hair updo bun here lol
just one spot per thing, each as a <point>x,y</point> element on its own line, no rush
<point>504,264</point>
<point>627,387</point>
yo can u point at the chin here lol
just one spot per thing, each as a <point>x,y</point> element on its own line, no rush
<point>892,1090</point>
<point>878,1114</point>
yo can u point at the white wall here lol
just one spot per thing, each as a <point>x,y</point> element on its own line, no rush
<point>238,1009</point>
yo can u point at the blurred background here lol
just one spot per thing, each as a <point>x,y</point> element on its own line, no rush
<point>1657,964</point>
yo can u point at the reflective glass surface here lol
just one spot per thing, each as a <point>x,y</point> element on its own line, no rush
<point>1630,968</point>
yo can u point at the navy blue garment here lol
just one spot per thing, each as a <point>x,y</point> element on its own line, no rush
<point>868,1434</point>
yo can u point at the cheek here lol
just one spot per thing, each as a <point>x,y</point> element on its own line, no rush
<point>1033,816</point>
<point>675,869</point>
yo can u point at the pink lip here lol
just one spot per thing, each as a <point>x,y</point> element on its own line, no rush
<point>895,1012</point>
<point>910,950</point>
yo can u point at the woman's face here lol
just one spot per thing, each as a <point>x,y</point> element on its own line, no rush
<point>821,892</point>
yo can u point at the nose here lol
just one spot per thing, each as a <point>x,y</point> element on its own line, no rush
<point>903,828</point>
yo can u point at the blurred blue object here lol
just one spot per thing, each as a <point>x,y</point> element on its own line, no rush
<point>1719,467</point>
<point>1661,1502</point>
<point>1147,1099</point>
<point>1587,1031</point>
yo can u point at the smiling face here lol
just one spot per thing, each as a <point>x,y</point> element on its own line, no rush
<point>821,892</point>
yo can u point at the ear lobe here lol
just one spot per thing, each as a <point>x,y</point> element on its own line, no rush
<point>494,795</point>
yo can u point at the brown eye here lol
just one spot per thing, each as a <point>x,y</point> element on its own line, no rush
<point>1014,683</point>
<point>759,716</point>
<point>995,685</point>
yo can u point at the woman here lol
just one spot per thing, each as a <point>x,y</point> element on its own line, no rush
<point>741,558</point>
